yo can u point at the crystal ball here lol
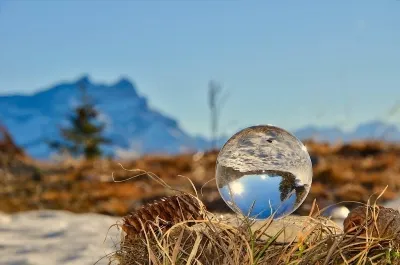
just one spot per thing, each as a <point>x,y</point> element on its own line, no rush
<point>264,171</point>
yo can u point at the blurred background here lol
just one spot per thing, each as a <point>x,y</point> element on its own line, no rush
<point>159,86</point>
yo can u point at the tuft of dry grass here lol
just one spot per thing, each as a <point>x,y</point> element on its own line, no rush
<point>370,236</point>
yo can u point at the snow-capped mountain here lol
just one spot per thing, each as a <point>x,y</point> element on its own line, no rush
<point>131,124</point>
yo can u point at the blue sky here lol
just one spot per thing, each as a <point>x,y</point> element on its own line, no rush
<point>288,63</point>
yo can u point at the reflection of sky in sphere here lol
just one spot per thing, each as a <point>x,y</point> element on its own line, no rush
<point>259,194</point>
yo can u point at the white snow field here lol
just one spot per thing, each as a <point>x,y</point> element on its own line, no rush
<point>56,238</point>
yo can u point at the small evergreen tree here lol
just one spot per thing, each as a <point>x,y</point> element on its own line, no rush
<point>84,136</point>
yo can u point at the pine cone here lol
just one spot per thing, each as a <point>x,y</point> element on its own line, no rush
<point>163,213</point>
<point>386,225</point>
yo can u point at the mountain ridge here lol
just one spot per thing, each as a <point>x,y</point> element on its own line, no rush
<point>131,122</point>
<point>371,130</point>
<point>132,125</point>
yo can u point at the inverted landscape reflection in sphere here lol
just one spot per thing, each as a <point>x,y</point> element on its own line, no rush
<point>264,170</point>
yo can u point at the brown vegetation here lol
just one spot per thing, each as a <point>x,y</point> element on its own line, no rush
<point>343,172</point>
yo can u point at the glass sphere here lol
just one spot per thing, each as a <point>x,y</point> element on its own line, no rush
<point>264,171</point>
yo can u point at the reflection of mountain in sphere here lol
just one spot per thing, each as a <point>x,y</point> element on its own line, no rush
<point>263,170</point>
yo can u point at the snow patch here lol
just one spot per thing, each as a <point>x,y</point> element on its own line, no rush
<point>56,238</point>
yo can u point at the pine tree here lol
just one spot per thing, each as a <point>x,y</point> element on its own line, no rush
<point>84,136</point>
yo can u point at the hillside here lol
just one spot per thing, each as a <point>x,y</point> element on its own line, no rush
<point>131,123</point>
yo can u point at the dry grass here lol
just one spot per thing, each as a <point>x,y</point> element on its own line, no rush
<point>368,238</point>
<point>215,242</point>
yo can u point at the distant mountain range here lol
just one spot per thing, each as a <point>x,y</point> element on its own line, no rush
<point>133,126</point>
<point>373,130</point>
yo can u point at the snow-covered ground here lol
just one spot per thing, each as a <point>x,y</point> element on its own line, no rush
<point>56,237</point>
